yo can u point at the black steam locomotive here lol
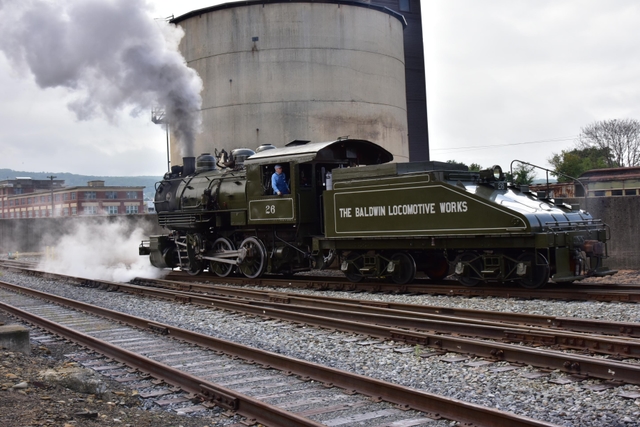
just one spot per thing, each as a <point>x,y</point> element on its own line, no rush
<point>349,206</point>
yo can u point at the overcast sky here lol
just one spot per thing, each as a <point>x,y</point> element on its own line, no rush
<point>505,80</point>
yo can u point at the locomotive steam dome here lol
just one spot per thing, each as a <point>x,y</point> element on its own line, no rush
<point>205,162</point>
<point>265,147</point>
<point>241,154</point>
<point>276,70</point>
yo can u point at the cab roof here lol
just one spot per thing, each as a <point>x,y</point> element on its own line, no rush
<point>361,151</point>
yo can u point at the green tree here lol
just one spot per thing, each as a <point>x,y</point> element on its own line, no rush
<point>453,162</point>
<point>475,167</point>
<point>522,175</point>
<point>577,161</point>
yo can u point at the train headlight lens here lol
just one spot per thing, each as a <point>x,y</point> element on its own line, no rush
<point>493,174</point>
<point>497,173</point>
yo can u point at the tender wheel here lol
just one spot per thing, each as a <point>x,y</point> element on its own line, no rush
<point>437,267</point>
<point>405,268</point>
<point>355,262</point>
<point>537,273</point>
<point>255,262</point>
<point>470,275</point>
<point>324,259</point>
<point>221,269</point>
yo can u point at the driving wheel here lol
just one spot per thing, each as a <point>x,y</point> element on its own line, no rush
<point>255,261</point>
<point>220,269</point>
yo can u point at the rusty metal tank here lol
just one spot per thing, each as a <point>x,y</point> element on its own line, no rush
<point>275,71</point>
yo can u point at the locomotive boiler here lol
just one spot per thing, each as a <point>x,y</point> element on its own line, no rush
<point>352,208</point>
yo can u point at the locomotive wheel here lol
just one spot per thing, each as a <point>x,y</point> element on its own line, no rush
<point>194,245</point>
<point>195,268</point>
<point>539,271</point>
<point>255,262</point>
<point>221,269</point>
<point>475,264</point>
<point>437,268</point>
<point>405,269</point>
<point>353,270</point>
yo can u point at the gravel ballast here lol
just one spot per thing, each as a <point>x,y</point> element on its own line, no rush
<point>566,404</point>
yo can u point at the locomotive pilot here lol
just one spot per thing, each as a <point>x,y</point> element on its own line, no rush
<point>279,182</point>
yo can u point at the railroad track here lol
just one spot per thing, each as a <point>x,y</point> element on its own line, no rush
<point>476,333</point>
<point>574,292</point>
<point>264,387</point>
<point>590,326</point>
<point>17,263</point>
<point>439,332</point>
<point>607,292</point>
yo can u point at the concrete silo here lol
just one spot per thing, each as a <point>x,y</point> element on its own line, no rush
<point>275,71</point>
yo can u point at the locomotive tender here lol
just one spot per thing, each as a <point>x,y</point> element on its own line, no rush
<point>378,219</point>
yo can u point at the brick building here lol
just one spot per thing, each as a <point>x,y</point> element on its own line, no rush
<point>31,198</point>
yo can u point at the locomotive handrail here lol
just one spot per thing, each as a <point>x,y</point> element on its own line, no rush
<point>554,172</point>
<point>551,225</point>
<point>579,222</point>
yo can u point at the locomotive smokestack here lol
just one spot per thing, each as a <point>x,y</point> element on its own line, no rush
<point>188,165</point>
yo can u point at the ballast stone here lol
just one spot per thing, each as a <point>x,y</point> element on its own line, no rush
<point>15,338</point>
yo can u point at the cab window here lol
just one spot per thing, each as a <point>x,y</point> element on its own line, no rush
<point>267,173</point>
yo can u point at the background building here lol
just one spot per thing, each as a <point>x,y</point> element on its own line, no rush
<point>27,198</point>
<point>276,71</point>
<point>612,182</point>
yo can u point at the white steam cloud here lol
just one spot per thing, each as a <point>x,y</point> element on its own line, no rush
<point>110,53</point>
<point>101,251</point>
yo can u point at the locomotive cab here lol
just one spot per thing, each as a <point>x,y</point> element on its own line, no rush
<point>307,167</point>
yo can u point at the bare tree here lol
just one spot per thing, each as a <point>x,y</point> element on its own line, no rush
<point>620,137</point>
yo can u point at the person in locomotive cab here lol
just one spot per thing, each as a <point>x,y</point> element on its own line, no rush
<point>279,182</point>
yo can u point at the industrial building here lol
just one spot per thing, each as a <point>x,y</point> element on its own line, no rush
<point>611,182</point>
<point>32,198</point>
<point>276,71</point>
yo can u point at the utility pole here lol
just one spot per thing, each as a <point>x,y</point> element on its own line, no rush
<point>52,177</point>
<point>159,117</point>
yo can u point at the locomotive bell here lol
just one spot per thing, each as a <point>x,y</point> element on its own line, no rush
<point>205,162</point>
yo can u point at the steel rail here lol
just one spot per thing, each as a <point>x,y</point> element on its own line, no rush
<point>626,347</point>
<point>420,287</point>
<point>624,293</point>
<point>413,310</point>
<point>549,359</point>
<point>565,362</point>
<point>216,394</point>
<point>562,361</point>
<point>630,294</point>
<point>434,405</point>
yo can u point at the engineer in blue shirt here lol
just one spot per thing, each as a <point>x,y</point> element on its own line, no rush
<point>279,182</point>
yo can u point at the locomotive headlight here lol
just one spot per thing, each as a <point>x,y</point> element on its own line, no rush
<point>497,173</point>
<point>493,174</point>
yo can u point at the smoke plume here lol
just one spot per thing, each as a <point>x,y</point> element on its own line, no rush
<point>101,250</point>
<point>110,54</point>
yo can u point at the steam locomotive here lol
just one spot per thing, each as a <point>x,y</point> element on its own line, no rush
<point>351,207</point>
